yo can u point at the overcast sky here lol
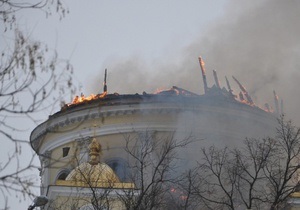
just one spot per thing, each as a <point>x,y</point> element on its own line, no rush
<point>147,45</point>
<point>98,34</point>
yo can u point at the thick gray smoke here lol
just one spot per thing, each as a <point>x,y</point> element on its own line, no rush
<point>257,42</point>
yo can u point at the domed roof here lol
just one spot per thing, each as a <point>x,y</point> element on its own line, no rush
<point>88,173</point>
<point>93,172</point>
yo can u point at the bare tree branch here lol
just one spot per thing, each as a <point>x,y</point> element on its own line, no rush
<point>261,174</point>
<point>10,8</point>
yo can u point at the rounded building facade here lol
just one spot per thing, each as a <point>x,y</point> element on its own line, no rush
<point>62,141</point>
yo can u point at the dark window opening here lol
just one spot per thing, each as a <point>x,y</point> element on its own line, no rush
<point>114,166</point>
<point>63,176</point>
<point>66,151</point>
<point>119,167</point>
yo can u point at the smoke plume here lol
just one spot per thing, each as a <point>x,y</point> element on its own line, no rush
<point>257,42</point>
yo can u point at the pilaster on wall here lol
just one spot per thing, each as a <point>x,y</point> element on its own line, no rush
<point>44,172</point>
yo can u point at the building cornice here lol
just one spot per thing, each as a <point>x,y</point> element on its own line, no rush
<point>96,111</point>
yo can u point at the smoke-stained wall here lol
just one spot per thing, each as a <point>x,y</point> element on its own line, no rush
<point>257,42</point>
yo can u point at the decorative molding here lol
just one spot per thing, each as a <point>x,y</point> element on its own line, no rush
<point>88,113</point>
<point>83,143</point>
<point>94,112</point>
<point>105,130</point>
<point>83,115</point>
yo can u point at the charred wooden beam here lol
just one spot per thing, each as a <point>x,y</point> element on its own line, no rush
<point>229,87</point>
<point>249,99</point>
<point>203,74</point>
<point>241,95</point>
<point>281,107</point>
<point>104,83</point>
<point>216,79</point>
<point>267,107</point>
<point>276,102</point>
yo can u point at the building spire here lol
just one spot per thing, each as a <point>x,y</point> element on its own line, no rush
<point>104,83</point>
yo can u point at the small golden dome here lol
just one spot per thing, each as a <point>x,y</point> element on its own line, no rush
<point>93,171</point>
<point>89,174</point>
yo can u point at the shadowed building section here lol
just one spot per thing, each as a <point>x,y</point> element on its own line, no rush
<point>68,143</point>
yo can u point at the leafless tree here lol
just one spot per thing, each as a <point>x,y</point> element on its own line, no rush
<point>10,8</point>
<point>217,177</point>
<point>97,195</point>
<point>153,169</point>
<point>92,182</point>
<point>262,174</point>
<point>282,170</point>
<point>182,194</point>
<point>33,80</point>
<point>251,161</point>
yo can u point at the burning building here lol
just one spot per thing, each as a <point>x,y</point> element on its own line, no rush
<point>218,117</point>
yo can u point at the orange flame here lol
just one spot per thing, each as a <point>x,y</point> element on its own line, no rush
<point>82,98</point>
<point>161,90</point>
<point>201,62</point>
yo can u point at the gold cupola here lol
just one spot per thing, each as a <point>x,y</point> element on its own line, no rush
<point>93,172</point>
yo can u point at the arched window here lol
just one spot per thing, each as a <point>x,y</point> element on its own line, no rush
<point>119,166</point>
<point>62,175</point>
